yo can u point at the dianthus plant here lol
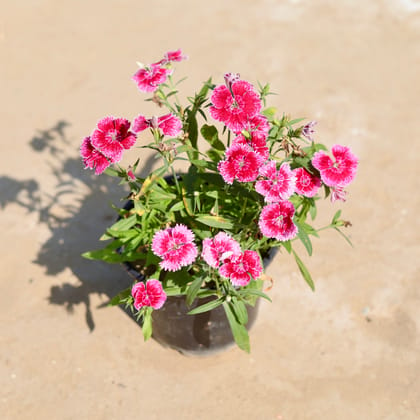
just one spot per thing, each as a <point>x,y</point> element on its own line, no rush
<point>249,183</point>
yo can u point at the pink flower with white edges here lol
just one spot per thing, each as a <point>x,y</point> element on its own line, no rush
<point>236,106</point>
<point>338,172</point>
<point>93,158</point>
<point>257,141</point>
<point>219,248</point>
<point>241,268</point>
<point>259,123</point>
<point>276,221</point>
<point>112,136</point>
<point>149,294</point>
<point>169,124</point>
<point>175,246</point>
<point>175,56</point>
<point>149,78</point>
<point>306,183</point>
<point>279,185</point>
<point>240,163</point>
<point>338,193</point>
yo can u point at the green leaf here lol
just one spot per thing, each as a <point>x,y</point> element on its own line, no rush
<point>254,292</point>
<point>313,211</point>
<point>192,133</point>
<point>292,122</point>
<point>336,217</point>
<point>344,236</point>
<point>239,309</point>
<point>214,155</point>
<point>304,271</point>
<point>124,234</point>
<point>147,324</point>
<point>124,223</point>
<point>210,133</point>
<point>111,172</point>
<point>270,112</point>
<point>215,221</point>
<point>157,193</point>
<point>239,331</point>
<point>287,246</point>
<point>206,307</point>
<point>120,298</point>
<point>176,279</point>
<point>193,289</point>
<point>176,207</point>
<point>304,238</point>
<point>199,163</point>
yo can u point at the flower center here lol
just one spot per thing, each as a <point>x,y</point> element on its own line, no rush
<point>113,135</point>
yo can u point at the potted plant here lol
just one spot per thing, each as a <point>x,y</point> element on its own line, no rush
<point>250,184</point>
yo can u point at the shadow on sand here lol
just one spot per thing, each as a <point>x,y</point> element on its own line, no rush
<point>76,211</point>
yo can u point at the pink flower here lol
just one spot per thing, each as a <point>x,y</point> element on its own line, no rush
<point>307,130</point>
<point>149,294</point>
<point>149,78</point>
<point>169,124</point>
<point>257,142</point>
<point>175,246</point>
<point>279,185</point>
<point>241,268</point>
<point>276,221</point>
<point>240,162</point>
<point>130,174</point>
<point>306,183</point>
<point>219,248</point>
<point>113,136</point>
<point>234,108</point>
<point>174,56</point>
<point>259,123</point>
<point>339,172</point>
<point>338,193</point>
<point>93,158</point>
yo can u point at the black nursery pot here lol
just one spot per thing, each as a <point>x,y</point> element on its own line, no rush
<point>200,334</point>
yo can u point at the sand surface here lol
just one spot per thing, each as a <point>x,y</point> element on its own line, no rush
<point>351,350</point>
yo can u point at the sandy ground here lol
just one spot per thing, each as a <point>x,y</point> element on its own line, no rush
<point>348,351</point>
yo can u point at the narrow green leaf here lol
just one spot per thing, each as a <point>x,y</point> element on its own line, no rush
<point>147,324</point>
<point>124,224</point>
<point>206,307</point>
<point>336,217</point>
<point>304,271</point>
<point>304,238</point>
<point>254,292</point>
<point>287,246</point>
<point>199,163</point>
<point>239,331</point>
<point>120,298</point>
<point>193,289</point>
<point>122,234</point>
<point>111,172</point>
<point>209,133</point>
<point>292,122</point>
<point>192,133</point>
<point>313,211</point>
<point>215,221</point>
<point>176,207</point>
<point>270,112</point>
<point>239,309</point>
<point>344,236</point>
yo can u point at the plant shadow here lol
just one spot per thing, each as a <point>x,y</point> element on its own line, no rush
<point>76,211</point>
